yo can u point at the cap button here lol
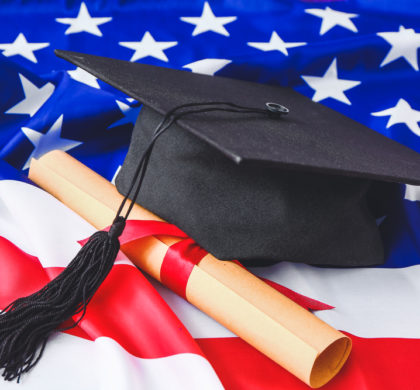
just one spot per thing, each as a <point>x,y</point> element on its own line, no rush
<point>277,108</point>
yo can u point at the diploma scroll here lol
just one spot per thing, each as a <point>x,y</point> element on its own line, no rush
<point>272,323</point>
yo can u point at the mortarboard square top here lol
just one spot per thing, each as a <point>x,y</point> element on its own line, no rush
<point>299,188</point>
<point>311,137</point>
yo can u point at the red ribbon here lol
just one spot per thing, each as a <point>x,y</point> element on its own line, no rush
<point>180,258</point>
<point>178,264</point>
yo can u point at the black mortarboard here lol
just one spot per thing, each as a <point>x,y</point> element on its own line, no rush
<point>251,187</point>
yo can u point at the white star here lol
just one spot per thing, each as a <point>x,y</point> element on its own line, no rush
<point>329,85</point>
<point>207,66</point>
<point>412,192</point>
<point>276,43</point>
<point>84,22</point>
<point>84,77</point>
<point>402,113</point>
<point>34,97</point>
<point>51,140</point>
<point>149,47</point>
<point>209,22</point>
<point>130,114</point>
<point>20,46</point>
<point>404,43</point>
<point>331,18</point>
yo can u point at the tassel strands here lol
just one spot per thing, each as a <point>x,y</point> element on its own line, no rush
<point>27,323</point>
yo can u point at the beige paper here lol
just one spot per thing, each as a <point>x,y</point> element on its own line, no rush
<point>272,323</point>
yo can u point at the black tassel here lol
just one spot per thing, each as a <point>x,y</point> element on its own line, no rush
<point>27,323</point>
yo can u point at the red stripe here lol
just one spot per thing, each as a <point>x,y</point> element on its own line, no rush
<point>374,364</point>
<point>126,307</point>
<point>20,273</point>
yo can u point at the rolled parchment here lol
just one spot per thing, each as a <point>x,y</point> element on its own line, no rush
<point>272,323</point>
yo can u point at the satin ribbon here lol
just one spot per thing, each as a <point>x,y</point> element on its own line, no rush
<point>181,257</point>
<point>179,260</point>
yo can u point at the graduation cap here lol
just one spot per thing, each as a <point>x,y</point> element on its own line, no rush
<point>252,172</point>
<point>252,187</point>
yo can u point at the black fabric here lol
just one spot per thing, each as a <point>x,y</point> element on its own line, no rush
<point>255,188</point>
<point>255,214</point>
<point>311,137</point>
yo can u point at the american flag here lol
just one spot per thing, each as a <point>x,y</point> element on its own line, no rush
<point>357,57</point>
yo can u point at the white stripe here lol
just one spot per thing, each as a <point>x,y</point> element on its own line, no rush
<point>412,192</point>
<point>41,225</point>
<point>71,363</point>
